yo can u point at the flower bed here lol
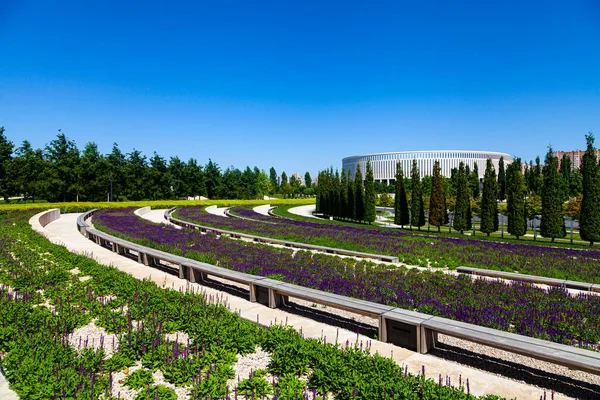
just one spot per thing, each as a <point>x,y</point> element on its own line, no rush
<point>551,314</point>
<point>43,301</point>
<point>553,262</point>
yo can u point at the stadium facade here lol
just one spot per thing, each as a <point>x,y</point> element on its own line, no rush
<point>384,164</point>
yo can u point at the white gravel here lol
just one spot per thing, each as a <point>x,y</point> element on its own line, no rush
<point>94,337</point>
<point>245,365</point>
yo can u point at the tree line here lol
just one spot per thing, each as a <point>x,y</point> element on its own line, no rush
<point>61,172</point>
<point>553,190</point>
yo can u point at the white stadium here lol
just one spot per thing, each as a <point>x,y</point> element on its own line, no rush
<point>384,164</point>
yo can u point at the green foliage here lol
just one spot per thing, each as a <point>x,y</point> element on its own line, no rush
<point>256,385</point>
<point>461,210</point>
<point>139,379</point>
<point>157,392</point>
<point>489,204</point>
<point>359,195</point>
<point>289,387</point>
<point>501,180</point>
<point>437,202</point>
<point>590,205</point>
<point>516,211</point>
<point>552,224</point>
<point>369,195</point>
<point>417,216</point>
<point>400,203</point>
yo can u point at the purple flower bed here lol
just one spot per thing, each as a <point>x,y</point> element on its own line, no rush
<point>551,314</point>
<point>554,262</point>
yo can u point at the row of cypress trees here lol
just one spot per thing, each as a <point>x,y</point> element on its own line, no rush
<point>510,183</point>
<point>342,197</point>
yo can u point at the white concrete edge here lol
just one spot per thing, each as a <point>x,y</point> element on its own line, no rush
<point>141,211</point>
<point>263,209</point>
<point>214,210</point>
<point>39,221</point>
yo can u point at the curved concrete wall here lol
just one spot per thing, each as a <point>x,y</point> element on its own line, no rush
<point>49,216</point>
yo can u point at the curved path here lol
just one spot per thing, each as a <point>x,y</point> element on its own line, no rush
<point>304,211</point>
<point>263,210</point>
<point>214,210</point>
<point>64,231</point>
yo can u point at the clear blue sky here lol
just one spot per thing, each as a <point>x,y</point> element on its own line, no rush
<point>300,85</point>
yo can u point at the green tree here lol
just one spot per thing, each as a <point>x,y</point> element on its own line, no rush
<point>565,177</point>
<point>401,216</point>
<point>94,173</point>
<point>590,204</point>
<point>273,181</point>
<point>417,216</point>
<point>501,180</point>
<point>474,184</point>
<point>117,174</point>
<point>213,179</point>
<point>158,179</point>
<point>28,167</point>
<point>552,225</point>
<point>489,202</point>
<point>136,176</point>
<point>6,150</point>
<point>308,179</point>
<point>437,202</point>
<point>359,195</point>
<point>177,175</point>
<point>194,178</point>
<point>516,190</point>
<point>343,190</point>
<point>262,184</point>
<point>576,183</point>
<point>350,212</point>
<point>64,174</point>
<point>461,209</point>
<point>370,200</point>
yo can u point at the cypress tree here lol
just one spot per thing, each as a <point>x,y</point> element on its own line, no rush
<point>516,190</point>
<point>400,202</point>
<point>370,211</point>
<point>343,194</point>
<point>416,201</point>
<point>489,204</point>
<point>359,196</point>
<point>552,216</point>
<point>475,181</point>
<point>565,177</point>
<point>437,201</point>
<point>501,180</point>
<point>319,194</point>
<point>589,219</point>
<point>461,209</point>
<point>350,190</point>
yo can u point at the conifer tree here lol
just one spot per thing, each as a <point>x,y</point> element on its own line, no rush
<point>516,190</point>
<point>552,225</point>
<point>359,195</point>
<point>6,150</point>
<point>416,198</point>
<point>589,219</point>
<point>461,209</point>
<point>475,181</point>
<point>501,180</point>
<point>565,177</point>
<point>370,211</point>
<point>437,201</point>
<point>400,202</point>
<point>350,190</point>
<point>343,190</point>
<point>489,202</point>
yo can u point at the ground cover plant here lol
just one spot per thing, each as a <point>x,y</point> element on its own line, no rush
<point>447,252</point>
<point>551,314</point>
<point>47,293</point>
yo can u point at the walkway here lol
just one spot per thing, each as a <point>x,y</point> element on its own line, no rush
<point>217,211</point>
<point>64,231</point>
<point>263,210</point>
<point>304,211</point>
